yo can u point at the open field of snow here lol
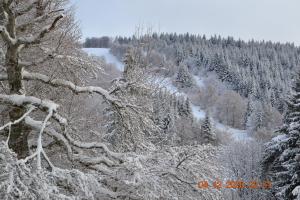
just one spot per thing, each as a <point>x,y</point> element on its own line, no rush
<point>104,52</point>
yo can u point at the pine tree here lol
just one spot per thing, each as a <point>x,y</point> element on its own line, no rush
<point>184,79</point>
<point>281,161</point>
<point>188,108</point>
<point>248,114</point>
<point>256,119</point>
<point>207,133</point>
<point>184,107</point>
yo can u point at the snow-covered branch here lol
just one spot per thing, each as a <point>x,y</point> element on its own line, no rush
<point>67,84</point>
<point>37,39</point>
<point>9,124</point>
<point>25,10</point>
<point>20,100</point>
<point>68,141</point>
<point>40,149</point>
<point>6,36</point>
<point>94,161</point>
<point>36,63</point>
<point>91,145</point>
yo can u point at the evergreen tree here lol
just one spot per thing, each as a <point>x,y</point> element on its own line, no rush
<point>261,69</point>
<point>188,108</point>
<point>281,161</point>
<point>184,107</point>
<point>248,114</point>
<point>256,119</point>
<point>184,79</point>
<point>207,133</point>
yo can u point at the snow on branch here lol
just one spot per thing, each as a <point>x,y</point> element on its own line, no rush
<point>26,10</point>
<point>36,63</point>
<point>94,161</point>
<point>67,141</point>
<point>91,145</point>
<point>74,88</point>
<point>40,149</point>
<point>67,84</point>
<point>45,30</point>
<point>37,125</point>
<point>9,124</point>
<point>19,100</point>
<point>38,19</point>
<point>6,36</point>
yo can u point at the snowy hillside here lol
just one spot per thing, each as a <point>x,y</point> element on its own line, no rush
<point>150,116</point>
<point>104,52</point>
<point>238,135</point>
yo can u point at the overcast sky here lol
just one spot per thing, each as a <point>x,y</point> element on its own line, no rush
<point>276,20</point>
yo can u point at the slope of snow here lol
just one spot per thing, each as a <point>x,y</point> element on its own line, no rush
<point>104,52</point>
<point>238,135</point>
<point>166,83</point>
<point>199,81</point>
<point>198,112</point>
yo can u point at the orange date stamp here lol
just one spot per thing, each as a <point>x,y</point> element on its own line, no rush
<point>235,184</point>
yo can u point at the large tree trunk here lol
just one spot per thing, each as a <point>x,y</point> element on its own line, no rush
<point>19,133</point>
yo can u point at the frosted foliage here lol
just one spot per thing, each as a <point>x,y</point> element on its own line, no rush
<point>184,78</point>
<point>172,173</point>
<point>296,192</point>
<point>19,181</point>
<point>281,159</point>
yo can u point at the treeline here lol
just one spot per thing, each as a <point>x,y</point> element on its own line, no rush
<point>260,71</point>
<point>95,42</point>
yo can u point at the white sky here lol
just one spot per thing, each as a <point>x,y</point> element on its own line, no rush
<point>276,20</point>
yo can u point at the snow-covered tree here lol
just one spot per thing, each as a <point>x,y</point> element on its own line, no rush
<point>184,79</point>
<point>127,131</point>
<point>242,160</point>
<point>230,109</point>
<point>169,173</point>
<point>35,35</point>
<point>262,70</point>
<point>282,155</point>
<point>207,131</point>
<point>184,107</point>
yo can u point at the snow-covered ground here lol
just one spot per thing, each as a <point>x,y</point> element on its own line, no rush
<point>168,85</point>
<point>198,112</point>
<point>109,58</point>
<point>238,135</point>
<point>199,81</point>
